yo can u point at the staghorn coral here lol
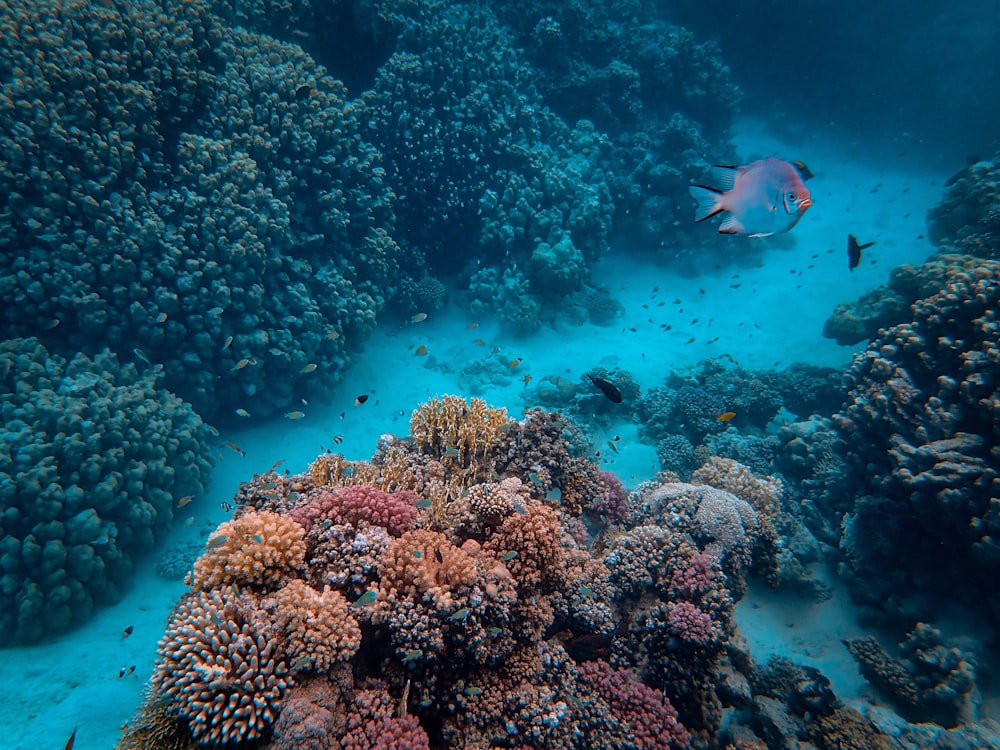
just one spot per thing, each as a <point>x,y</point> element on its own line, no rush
<point>222,676</point>
<point>258,549</point>
<point>94,457</point>
<point>320,630</point>
<point>450,428</point>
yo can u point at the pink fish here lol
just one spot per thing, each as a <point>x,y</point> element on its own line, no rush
<point>763,198</point>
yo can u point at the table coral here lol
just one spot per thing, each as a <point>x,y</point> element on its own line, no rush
<point>93,461</point>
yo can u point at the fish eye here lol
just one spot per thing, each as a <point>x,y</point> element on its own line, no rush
<point>792,198</point>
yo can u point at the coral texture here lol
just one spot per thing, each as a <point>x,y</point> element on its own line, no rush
<point>257,549</point>
<point>93,461</point>
<point>923,398</point>
<point>224,677</point>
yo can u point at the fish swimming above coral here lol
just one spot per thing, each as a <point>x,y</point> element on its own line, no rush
<point>760,199</point>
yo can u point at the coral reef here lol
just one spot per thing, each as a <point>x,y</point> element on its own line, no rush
<point>932,681</point>
<point>968,217</point>
<point>222,674</point>
<point>924,397</point>
<point>93,461</point>
<point>256,549</point>
<point>484,609</point>
<point>889,305</point>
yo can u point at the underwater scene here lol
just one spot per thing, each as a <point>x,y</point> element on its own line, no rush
<point>390,374</point>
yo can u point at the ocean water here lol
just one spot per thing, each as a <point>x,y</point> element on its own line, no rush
<point>239,237</point>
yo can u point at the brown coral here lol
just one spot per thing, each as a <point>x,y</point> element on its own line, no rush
<point>220,673</point>
<point>256,548</point>
<point>319,627</point>
<point>450,427</point>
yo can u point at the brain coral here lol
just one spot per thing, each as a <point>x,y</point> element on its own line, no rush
<point>92,461</point>
<point>222,675</point>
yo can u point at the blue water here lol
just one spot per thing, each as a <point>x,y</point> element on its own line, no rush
<point>248,236</point>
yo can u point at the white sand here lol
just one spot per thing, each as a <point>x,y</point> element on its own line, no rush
<point>775,316</point>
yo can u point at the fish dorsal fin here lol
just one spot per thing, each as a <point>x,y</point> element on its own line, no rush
<point>731,225</point>
<point>725,176</point>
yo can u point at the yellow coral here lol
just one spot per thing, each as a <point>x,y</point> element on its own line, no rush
<point>320,628</point>
<point>763,493</point>
<point>449,428</point>
<point>257,548</point>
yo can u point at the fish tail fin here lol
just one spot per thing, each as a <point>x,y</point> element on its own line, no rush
<point>709,201</point>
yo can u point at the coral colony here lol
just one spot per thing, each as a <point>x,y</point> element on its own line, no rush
<point>201,223</point>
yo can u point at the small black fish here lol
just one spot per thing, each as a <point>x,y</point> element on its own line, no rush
<point>361,399</point>
<point>71,741</point>
<point>607,388</point>
<point>438,556</point>
<point>128,631</point>
<point>804,172</point>
<point>303,92</point>
<point>854,251</point>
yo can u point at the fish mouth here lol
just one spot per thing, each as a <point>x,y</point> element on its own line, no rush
<point>804,204</point>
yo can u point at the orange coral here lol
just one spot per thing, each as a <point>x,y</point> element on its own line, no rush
<point>221,674</point>
<point>425,564</point>
<point>529,544</point>
<point>257,548</point>
<point>320,629</point>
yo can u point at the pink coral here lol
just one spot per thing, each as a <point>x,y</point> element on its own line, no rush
<point>698,577</point>
<point>690,624</point>
<point>373,725</point>
<point>611,505</point>
<point>647,711</point>
<point>394,511</point>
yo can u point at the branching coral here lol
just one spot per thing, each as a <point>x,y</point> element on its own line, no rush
<point>649,715</point>
<point>319,628</point>
<point>396,512</point>
<point>423,565</point>
<point>259,549</point>
<point>222,676</point>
